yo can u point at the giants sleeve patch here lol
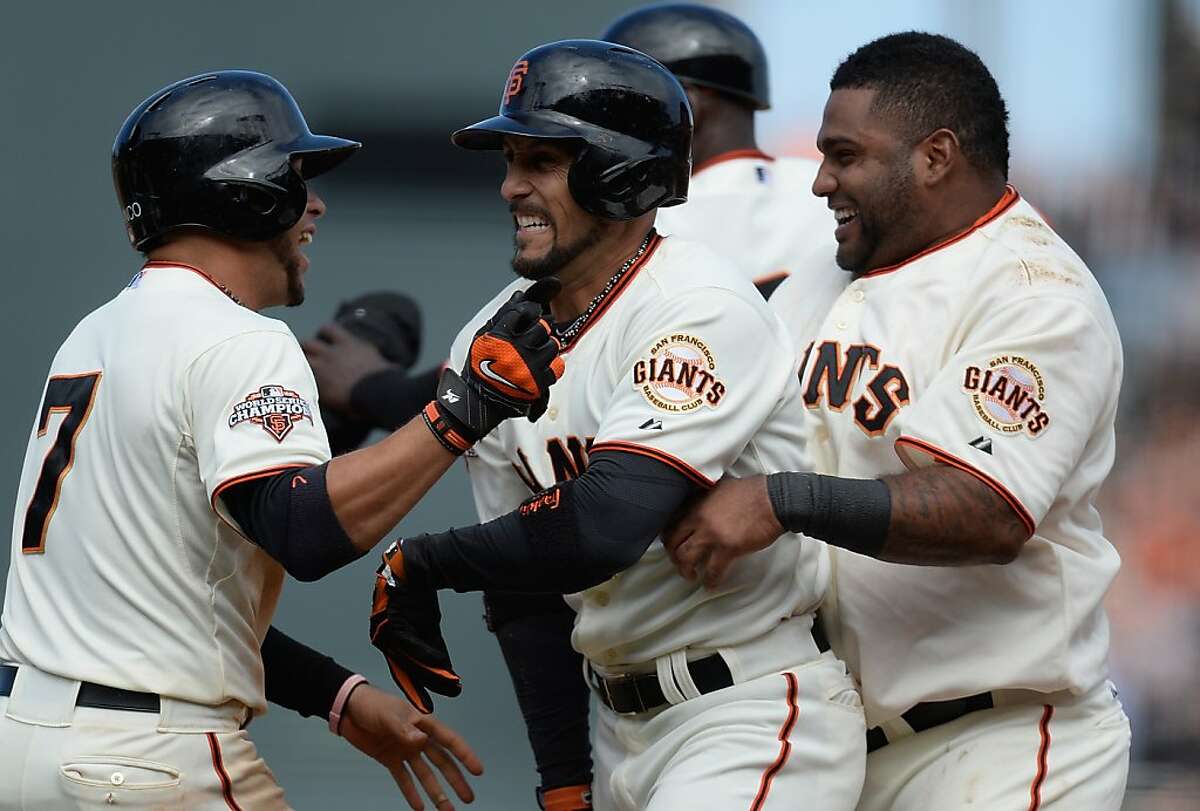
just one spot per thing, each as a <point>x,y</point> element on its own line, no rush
<point>1008,394</point>
<point>679,375</point>
<point>273,408</point>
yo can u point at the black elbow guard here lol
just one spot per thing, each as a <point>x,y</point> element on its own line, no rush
<point>316,543</point>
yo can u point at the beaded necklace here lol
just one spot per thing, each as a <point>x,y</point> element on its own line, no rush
<point>567,333</point>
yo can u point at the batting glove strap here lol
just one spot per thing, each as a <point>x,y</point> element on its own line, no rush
<point>567,798</point>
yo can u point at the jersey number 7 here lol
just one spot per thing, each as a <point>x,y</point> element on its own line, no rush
<point>72,395</point>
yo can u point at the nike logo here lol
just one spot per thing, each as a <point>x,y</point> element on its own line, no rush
<point>651,425</point>
<point>450,397</point>
<point>485,366</point>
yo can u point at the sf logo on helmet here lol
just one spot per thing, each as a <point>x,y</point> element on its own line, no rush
<point>516,80</point>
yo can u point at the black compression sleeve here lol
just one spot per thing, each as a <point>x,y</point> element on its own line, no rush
<point>573,536</point>
<point>290,517</point>
<point>391,397</point>
<point>851,513</point>
<point>534,631</point>
<point>298,677</point>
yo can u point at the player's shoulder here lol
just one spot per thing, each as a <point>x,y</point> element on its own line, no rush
<point>683,266</point>
<point>686,274</point>
<point>181,310</point>
<point>1025,262</point>
<point>1025,256</point>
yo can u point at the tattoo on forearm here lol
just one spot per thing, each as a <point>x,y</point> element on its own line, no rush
<point>942,516</point>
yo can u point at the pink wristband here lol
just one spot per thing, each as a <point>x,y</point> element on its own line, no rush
<point>339,702</point>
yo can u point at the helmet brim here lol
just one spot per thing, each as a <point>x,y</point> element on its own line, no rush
<point>489,133</point>
<point>321,153</point>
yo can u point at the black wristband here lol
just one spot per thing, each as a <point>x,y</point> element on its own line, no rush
<point>298,677</point>
<point>851,513</point>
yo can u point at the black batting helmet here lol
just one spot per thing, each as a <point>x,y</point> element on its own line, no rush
<point>215,151</point>
<point>628,113</point>
<point>702,45</point>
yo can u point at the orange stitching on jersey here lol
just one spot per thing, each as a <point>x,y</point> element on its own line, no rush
<point>732,155</point>
<point>245,477</point>
<point>1035,790</point>
<point>785,746</point>
<point>219,766</point>
<point>953,461</point>
<point>1007,201</point>
<point>654,453</point>
<point>620,288</point>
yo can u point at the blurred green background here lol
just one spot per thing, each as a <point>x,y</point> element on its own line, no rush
<point>1105,123</point>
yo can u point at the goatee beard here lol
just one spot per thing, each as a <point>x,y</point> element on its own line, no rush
<point>558,257</point>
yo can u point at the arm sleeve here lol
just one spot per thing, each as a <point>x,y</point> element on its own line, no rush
<point>298,677</point>
<point>1019,400</point>
<point>573,536</point>
<point>289,516</point>
<point>252,404</point>
<point>534,632</point>
<point>700,375</point>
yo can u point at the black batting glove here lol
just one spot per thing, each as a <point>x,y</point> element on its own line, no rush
<point>406,628</point>
<point>511,365</point>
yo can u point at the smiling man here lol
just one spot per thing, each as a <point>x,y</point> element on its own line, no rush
<point>677,373</point>
<point>961,394</point>
<point>177,467</point>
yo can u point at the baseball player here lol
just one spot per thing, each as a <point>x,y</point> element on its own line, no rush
<point>177,467</point>
<point>746,205</point>
<point>962,391</point>
<point>678,373</point>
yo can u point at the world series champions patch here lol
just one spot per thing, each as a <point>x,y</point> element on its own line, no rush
<point>1008,394</point>
<point>274,408</point>
<point>679,375</point>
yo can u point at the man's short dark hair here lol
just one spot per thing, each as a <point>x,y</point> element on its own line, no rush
<point>926,82</point>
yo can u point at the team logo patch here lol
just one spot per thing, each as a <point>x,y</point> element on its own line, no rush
<point>275,408</point>
<point>1008,394</point>
<point>679,375</point>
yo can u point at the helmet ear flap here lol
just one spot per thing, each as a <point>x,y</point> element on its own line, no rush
<point>617,189</point>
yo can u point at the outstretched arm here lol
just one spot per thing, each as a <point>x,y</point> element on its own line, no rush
<point>376,723</point>
<point>573,536</point>
<point>932,516</point>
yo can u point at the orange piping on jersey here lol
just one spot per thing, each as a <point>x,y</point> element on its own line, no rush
<point>731,155</point>
<point>953,461</point>
<point>1035,790</point>
<point>214,747</point>
<point>246,477</point>
<point>620,288</point>
<point>785,746</point>
<point>1006,201</point>
<point>654,453</point>
<point>158,263</point>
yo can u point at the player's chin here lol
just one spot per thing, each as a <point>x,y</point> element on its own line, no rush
<point>851,255</point>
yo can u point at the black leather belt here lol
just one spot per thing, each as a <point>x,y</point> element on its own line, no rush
<point>632,694</point>
<point>932,714</point>
<point>629,695</point>
<point>93,695</point>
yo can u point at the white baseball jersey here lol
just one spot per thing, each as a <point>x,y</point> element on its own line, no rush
<point>995,352</point>
<point>683,363</point>
<point>758,212</point>
<point>122,572</point>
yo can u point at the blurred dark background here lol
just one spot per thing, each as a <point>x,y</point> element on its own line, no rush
<point>1105,125</point>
